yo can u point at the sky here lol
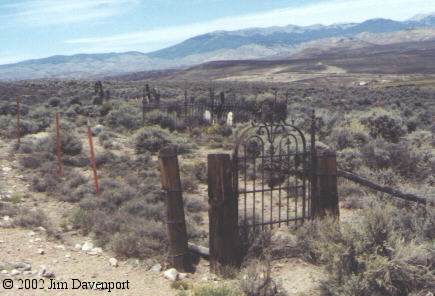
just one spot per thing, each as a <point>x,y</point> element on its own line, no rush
<point>39,28</point>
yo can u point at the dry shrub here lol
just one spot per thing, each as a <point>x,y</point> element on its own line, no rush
<point>212,290</point>
<point>373,256</point>
<point>164,120</point>
<point>195,205</point>
<point>30,162</point>
<point>189,184</point>
<point>127,219</point>
<point>198,169</point>
<point>32,218</point>
<point>256,280</point>
<point>152,139</point>
<point>124,117</point>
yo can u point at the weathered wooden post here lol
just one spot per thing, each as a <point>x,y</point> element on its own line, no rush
<point>92,159</point>
<point>18,122</point>
<point>179,256</point>
<point>326,198</point>
<point>59,145</point>
<point>223,214</point>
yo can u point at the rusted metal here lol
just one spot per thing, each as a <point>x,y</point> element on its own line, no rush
<point>92,159</point>
<point>271,161</point>
<point>59,145</point>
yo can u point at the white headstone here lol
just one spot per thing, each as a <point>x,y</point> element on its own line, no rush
<point>230,119</point>
<point>207,116</point>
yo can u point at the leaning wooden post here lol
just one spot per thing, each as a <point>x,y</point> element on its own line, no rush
<point>179,256</point>
<point>92,159</point>
<point>59,145</point>
<point>18,122</point>
<point>223,214</point>
<point>326,178</point>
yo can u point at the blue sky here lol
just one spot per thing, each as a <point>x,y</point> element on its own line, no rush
<point>40,28</point>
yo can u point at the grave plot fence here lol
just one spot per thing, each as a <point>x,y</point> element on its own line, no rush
<point>195,113</point>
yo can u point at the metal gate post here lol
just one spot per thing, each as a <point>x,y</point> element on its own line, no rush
<point>223,213</point>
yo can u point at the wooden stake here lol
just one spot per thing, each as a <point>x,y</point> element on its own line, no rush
<point>18,121</point>
<point>59,144</point>
<point>179,256</point>
<point>92,159</point>
<point>326,202</point>
<point>223,214</point>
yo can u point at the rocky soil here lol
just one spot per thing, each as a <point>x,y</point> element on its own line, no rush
<point>49,257</point>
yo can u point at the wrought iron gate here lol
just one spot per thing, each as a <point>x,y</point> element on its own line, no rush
<point>272,174</point>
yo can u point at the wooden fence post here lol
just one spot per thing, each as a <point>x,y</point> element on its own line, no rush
<point>179,256</point>
<point>325,199</point>
<point>59,145</point>
<point>92,159</point>
<point>18,122</point>
<point>223,214</point>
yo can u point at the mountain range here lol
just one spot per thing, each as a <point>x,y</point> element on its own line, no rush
<point>273,43</point>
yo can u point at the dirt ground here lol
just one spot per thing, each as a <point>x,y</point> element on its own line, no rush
<point>64,258</point>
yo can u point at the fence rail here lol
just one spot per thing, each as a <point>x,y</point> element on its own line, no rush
<point>394,192</point>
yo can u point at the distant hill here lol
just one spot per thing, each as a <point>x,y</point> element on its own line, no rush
<point>255,43</point>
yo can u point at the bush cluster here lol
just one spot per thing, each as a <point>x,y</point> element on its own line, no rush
<point>386,253</point>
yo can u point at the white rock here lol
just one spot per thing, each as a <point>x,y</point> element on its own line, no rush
<point>42,229</point>
<point>4,271</point>
<point>44,272</point>
<point>15,272</point>
<point>60,247</point>
<point>78,246</point>
<point>171,274</point>
<point>6,169</point>
<point>31,233</point>
<point>113,262</point>
<point>182,276</point>
<point>156,268</point>
<point>41,252</point>
<point>87,246</point>
<point>97,129</point>
<point>23,266</point>
<point>97,250</point>
<point>6,218</point>
<point>68,256</point>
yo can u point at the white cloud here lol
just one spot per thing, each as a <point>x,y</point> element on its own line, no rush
<point>326,12</point>
<point>52,12</point>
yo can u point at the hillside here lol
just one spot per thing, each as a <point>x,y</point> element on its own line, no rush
<point>256,43</point>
